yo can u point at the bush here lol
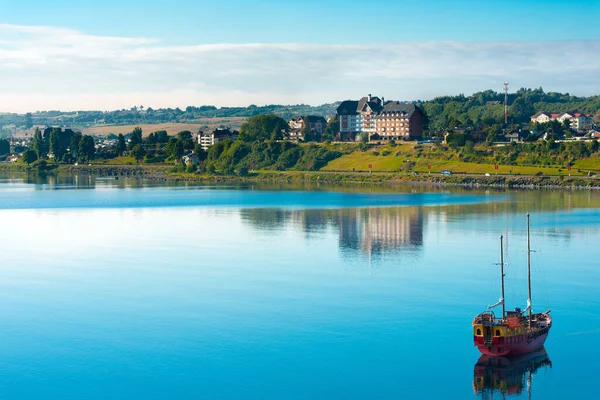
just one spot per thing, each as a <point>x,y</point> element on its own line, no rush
<point>408,166</point>
<point>385,153</point>
<point>191,168</point>
<point>375,153</point>
<point>228,170</point>
<point>179,167</point>
<point>242,170</point>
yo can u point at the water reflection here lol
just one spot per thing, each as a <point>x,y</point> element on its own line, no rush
<point>508,376</point>
<point>377,230</point>
<point>368,230</point>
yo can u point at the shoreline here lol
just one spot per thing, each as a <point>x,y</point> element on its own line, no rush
<point>161,172</point>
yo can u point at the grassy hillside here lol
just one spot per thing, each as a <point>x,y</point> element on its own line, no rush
<point>417,158</point>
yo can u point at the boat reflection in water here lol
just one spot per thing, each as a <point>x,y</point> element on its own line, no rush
<point>508,375</point>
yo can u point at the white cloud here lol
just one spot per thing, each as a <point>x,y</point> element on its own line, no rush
<point>58,68</point>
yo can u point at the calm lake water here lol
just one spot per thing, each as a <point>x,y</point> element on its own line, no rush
<point>135,290</point>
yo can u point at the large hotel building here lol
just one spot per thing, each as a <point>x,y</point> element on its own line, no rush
<point>373,115</point>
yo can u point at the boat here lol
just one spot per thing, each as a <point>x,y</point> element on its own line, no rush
<point>515,331</point>
<point>508,375</point>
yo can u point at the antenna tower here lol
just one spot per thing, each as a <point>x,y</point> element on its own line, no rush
<point>505,103</point>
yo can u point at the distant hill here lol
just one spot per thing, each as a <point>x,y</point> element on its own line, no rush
<point>140,115</point>
<point>487,107</point>
<point>477,110</point>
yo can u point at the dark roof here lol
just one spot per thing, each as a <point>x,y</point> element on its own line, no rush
<point>395,106</point>
<point>222,132</point>
<point>374,104</point>
<point>348,107</point>
<point>351,107</point>
<point>314,118</point>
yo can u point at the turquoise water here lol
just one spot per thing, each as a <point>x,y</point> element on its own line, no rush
<point>135,290</point>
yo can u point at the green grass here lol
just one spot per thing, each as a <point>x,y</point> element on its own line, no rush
<point>359,161</point>
<point>122,160</point>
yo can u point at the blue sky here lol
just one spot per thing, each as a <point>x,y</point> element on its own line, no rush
<point>438,47</point>
<point>314,21</point>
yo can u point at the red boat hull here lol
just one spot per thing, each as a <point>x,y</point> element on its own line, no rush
<point>521,345</point>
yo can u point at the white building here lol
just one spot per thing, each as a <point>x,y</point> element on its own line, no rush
<point>208,139</point>
<point>579,121</point>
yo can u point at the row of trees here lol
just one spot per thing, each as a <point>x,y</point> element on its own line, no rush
<point>64,146</point>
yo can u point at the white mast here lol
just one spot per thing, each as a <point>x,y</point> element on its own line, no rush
<point>529,270</point>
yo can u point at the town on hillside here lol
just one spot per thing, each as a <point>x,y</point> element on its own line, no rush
<point>370,119</point>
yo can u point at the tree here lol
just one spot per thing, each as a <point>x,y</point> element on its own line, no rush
<point>75,142</point>
<point>161,136</point>
<point>55,145</point>
<point>567,126</point>
<point>215,151</point>
<point>263,127</point>
<point>333,128</point>
<point>29,156</point>
<point>4,147</point>
<point>38,144</point>
<point>87,148</point>
<point>174,149</point>
<point>469,147</point>
<point>188,144</point>
<point>242,170</point>
<point>120,144</point>
<point>364,141</point>
<point>138,152</point>
<point>200,153</point>
<point>184,135</point>
<point>28,121</point>
<point>136,137</point>
<point>492,133</point>
<point>151,138</point>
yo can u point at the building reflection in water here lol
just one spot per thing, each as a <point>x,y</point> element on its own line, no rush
<point>377,230</point>
<point>368,230</point>
<point>508,376</point>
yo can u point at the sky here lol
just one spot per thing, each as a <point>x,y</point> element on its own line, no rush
<point>118,54</point>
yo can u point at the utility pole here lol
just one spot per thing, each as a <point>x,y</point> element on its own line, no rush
<point>505,103</point>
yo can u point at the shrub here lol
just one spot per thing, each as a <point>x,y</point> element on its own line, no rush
<point>40,165</point>
<point>191,168</point>
<point>385,153</point>
<point>408,166</point>
<point>242,170</point>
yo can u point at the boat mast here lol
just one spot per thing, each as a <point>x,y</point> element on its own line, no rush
<point>502,273</point>
<point>529,270</point>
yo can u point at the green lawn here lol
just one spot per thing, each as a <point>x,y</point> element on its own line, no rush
<point>360,161</point>
<point>122,160</point>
